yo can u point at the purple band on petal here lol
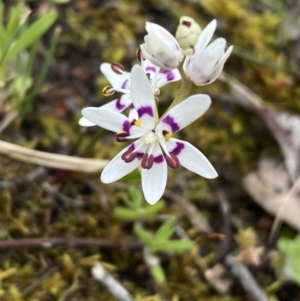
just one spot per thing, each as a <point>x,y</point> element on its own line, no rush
<point>124,84</point>
<point>119,106</point>
<point>145,110</point>
<point>159,159</point>
<point>169,74</point>
<point>151,68</point>
<point>177,150</point>
<point>126,126</point>
<point>131,146</point>
<point>171,122</point>
<point>140,155</point>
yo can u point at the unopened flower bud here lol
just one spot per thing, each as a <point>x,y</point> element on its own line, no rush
<point>187,34</point>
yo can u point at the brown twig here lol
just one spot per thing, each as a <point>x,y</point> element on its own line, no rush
<point>195,217</point>
<point>51,242</point>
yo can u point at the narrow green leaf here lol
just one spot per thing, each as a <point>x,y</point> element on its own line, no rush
<point>31,34</point>
<point>145,236</point>
<point>15,17</point>
<point>158,274</point>
<point>125,214</point>
<point>151,210</point>
<point>166,230</point>
<point>175,245</point>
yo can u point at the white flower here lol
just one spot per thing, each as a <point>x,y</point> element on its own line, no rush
<point>206,63</point>
<point>161,48</point>
<point>154,148</point>
<point>120,82</point>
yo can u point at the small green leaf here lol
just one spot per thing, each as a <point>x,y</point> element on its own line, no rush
<point>166,230</point>
<point>290,249</point>
<point>145,236</point>
<point>174,245</point>
<point>158,274</point>
<point>125,214</point>
<point>151,210</point>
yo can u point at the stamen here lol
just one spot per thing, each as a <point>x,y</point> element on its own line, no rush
<point>117,68</point>
<point>136,122</point>
<point>121,137</point>
<point>139,55</point>
<point>173,161</point>
<point>167,135</point>
<point>129,155</point>
<point>147,161</point>
<point>108,90</point>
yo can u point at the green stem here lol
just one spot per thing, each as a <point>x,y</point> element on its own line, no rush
<point>183,92</point>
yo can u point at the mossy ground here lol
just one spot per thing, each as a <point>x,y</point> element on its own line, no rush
<point>232,138</point>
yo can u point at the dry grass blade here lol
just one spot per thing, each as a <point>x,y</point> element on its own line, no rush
<point>51,160</point>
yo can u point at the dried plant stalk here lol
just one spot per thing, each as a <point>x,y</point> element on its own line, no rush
<point>51,160</point>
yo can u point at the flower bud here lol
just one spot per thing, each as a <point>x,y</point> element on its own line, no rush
<point>160,47</point>
<point>187,34</point>
<point>206,63</point>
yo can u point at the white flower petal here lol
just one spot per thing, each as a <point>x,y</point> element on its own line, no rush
<point>84,122</point>
<point>205,36</point>
<point>119,104</point>
<point>119,82</point>
<point>142,96</point>
<point>106,119</point>
<point>184,113</point>
<point>218,68</point>
<point>160,47</point>
<point>117,168</point>
<point>154,180</point>
<point>167,76</point>
<point>191,158</point>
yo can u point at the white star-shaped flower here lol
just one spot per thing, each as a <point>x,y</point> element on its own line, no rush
<point>206,63</point>
<point>155,148</point>
<point>120,82</point>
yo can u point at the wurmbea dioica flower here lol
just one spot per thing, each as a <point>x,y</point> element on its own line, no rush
<point>120,82</point>
<point>155,148</point>
<point>161,48</point>
<point>206,63</point>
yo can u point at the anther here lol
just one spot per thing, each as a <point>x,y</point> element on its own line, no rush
<point>108,90</point>
<point>139,55</point>
<point>147,161</point>
<point>129,155</point>
<point>136,122</point>
<point>167,135</point>
<point>121,137</point>
<point>173,161</point>
<point>117,68</point>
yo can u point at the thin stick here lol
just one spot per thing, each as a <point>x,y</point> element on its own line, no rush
<point>51,160</point>
<point>190,210</point>
<point>46,243</point>
<point>111,283</point>
<point>247,281</point>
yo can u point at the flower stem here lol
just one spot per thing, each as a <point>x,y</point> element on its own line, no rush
<point>184,90</point>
